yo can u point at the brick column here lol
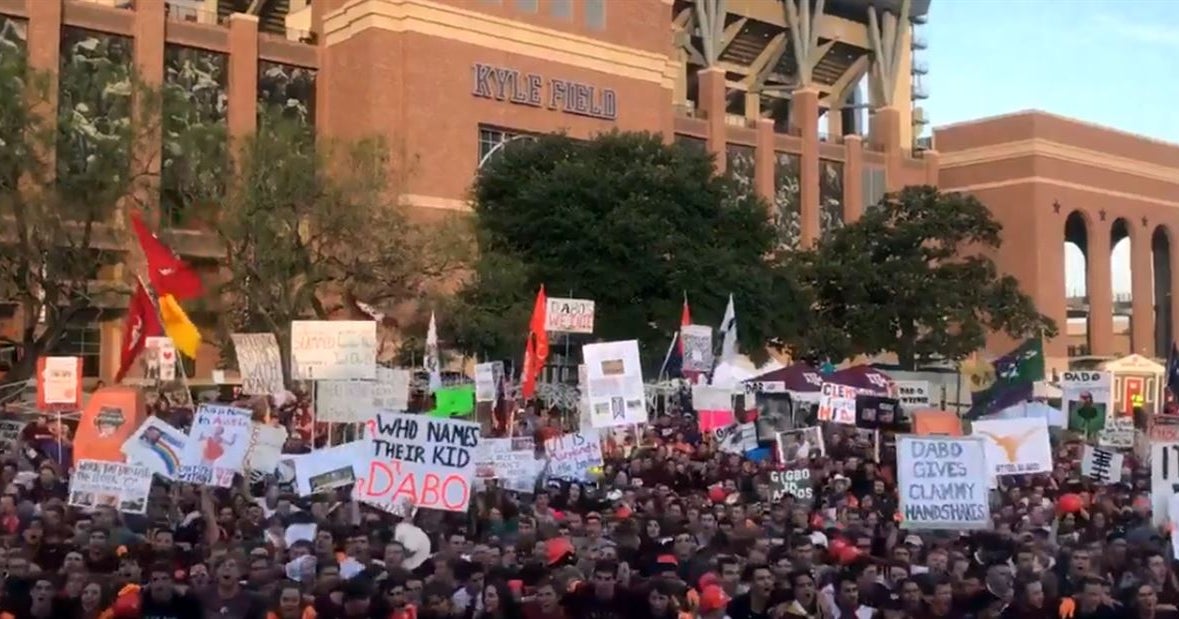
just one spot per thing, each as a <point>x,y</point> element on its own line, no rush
<point>886,135</point>
<point>804,116</point>
<point>712,102</point>
<point>763,168</point>
<point>931,167</point>
<point>44,57</point>
<point>148,28</point>
<point>1142,290</point>
<point>243,75</point>
<point>853,178</point>
<point>1098,287</point>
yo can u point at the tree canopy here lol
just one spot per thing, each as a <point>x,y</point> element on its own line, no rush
<point>898,280</point>
<point>625,220</point>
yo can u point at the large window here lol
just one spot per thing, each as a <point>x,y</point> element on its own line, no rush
<point>562,9</point>
<point>84,340</point>
<point>491,140</point>
<point>595,14</point>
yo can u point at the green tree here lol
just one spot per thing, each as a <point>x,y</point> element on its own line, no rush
<point>309,225</point>
<point>633,224</point>
<point>59,186</point>
<point>897,280</point>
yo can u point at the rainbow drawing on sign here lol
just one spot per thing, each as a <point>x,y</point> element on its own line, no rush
<point>164,446</point>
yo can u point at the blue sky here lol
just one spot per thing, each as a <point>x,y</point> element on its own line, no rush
<point>1112,63</point>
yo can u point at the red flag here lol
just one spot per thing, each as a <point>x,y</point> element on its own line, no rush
<point>142,322</point>
<point>685,320</point>
<point>167,272</point>
<point>537,349</point>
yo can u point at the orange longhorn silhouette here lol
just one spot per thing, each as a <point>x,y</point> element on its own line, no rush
<point>1010,444</point>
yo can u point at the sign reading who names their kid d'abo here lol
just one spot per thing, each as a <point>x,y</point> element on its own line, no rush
<point>569,315</point>
<point>943,482</point>
<point>427,461</point>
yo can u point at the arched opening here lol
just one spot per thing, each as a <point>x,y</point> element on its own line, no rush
<point>1076,249</point>
<point>1160,251</point>
<point>1121,278</point>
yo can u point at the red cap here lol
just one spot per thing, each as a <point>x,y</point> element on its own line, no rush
<point>666,559</point>
<point>557,548</point>
<point>707,580</point>
<point>713,598</point>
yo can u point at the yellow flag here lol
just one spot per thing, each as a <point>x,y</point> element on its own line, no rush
<point>184,334</point>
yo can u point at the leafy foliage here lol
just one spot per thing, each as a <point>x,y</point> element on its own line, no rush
<point>898,280</point>
<point>57,237</point>
<point>625,220</point>
<point>307,224</point>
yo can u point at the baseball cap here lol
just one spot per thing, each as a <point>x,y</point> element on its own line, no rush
<point>713,598</point>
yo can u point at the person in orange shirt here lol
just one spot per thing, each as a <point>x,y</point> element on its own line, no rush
<point>291,604</point>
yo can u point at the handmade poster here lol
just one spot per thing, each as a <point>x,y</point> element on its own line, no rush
<point>796,482</point>
<point>485,385</point>
<point>391,391</point>
<point>10,430</point>
<point>1103,465</point>
<point>333,350</point>
<point>943,483</point>
<point>111,416</point>
<point>584,419</point>
<point>59,383</point>
<point>217,445</point>
<point>697,343</point>
<point>800,445</point>
<point>1164,478</point>
<point>570,456</point>
<point>714,407</point>
<point>158,446</point>
<point>878,412</point>
<point>344,401</point>
<point>330,468</point>
<point>1086,398</point>
<point>1015,446</point>
<point>266,443</point>
<point>160,355</point>
<point>125,487</point>
<point>259,362</point>
<point>516,469</point>
<point>569,315</point>
<point>913,394</point>
<point>615,378</point>
<point>837,403</point>
<point>454,401</point>
<point>426,460</point>
<point>738,438</point>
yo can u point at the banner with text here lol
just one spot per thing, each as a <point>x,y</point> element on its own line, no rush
<point>428,461</point>
<point>260,363</point>
<point>837,403</point>
<point>217,446</point>
<point>913,394</point>
<point>1086,399</point>
<point>571,455</point>
<point>333,350</point>
<point>125,487</point>
<point>569,315</point>
<point>943,483</point>
<point>796,482</point>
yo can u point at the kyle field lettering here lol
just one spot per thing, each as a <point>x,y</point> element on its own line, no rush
<point>504,84</point>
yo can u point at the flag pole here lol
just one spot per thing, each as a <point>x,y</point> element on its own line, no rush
<point>666,358</point>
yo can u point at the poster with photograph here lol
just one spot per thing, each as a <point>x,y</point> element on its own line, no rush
<point>697,341</point>
<point>615,375</point>
<point>878,412</point>
<point>331,468</point>
<point>217,446</point>
<point>1086,401</point>
<point>158,446</point>
<point>125,487</point>
<point>487,380</point>
<point>800,445</point>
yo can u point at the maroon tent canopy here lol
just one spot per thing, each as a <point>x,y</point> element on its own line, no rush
<point>863,377</point>
<point>799,377</point>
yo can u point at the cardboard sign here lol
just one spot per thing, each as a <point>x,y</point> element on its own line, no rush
<point>837,403</point>
<point>259,362</point>
<point>427,461</point>
<point>796,482</point>
<point>571,455</point>
<point>333,350</point>
<point>125,487</point>
<point>59,383</point>
<point>217,446</point>
<point>1103,465</point>
<point>158,446</point>
<point>569,315</point>
<point>943,483</point>
<point>344,401</point>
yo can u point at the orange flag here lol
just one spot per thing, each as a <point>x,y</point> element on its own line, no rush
<point>536,351</point>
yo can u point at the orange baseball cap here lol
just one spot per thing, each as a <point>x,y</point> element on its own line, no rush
<point>713,598</point>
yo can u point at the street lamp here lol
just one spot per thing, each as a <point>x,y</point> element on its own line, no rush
<point>498,147</point>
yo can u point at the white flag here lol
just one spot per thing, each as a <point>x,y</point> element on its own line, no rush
<point>729,329</point>
<point>432,363</point>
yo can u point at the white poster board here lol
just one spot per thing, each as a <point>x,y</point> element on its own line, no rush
<point>837,403</point>
<point>1103,465</point>
<point>333,350</point>
<point>391,391</point>
<point>266,443</point>
<point>697,347</point>
<point>1086,399</point>
<point>427,461</point>
<point>615,375</point>
<point>569,315</point>
<point>158,446</point>
<point>95,483</point>
<point>737,438</point>
<point>59,381</point>
<point>259,362</point>
<point>217,446</point>
<point>1164,478</point>
<point>487,376</point>
<point>333,467</point>
<point>571,455</point>
<point>913,394</point>
<point>344,401</point>
<point>1015,446</point>
<point>943,483</point>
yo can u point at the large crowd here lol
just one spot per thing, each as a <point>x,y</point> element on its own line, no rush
<point>670,527</point>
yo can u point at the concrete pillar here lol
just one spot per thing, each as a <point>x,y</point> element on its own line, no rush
<point>931,167</point>
<point>763,163</point>
<point>148,29</point>
<point>1142,290</point>
<point>853,178</point>
<point>243,75</point>
<point>1098,287</point>
<point>804,116</point>
<point>712,102</point>
<point>834,125</point>
<point>886,136</point>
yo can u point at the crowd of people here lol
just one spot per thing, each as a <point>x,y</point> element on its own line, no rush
<point>670,527</point>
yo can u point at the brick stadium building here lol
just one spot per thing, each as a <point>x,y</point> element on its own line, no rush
<point>816,112</point>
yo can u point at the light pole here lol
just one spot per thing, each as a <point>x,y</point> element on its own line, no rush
<point>500,146</point>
